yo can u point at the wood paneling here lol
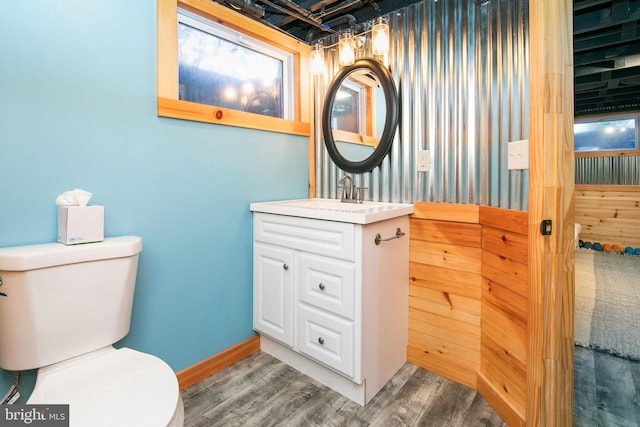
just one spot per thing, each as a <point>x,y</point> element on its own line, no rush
<point>504,321</point>
<point>505,244</point>
<point>504,270</point>
<point>445,290</point>
<point>447,212</point>
<point>445,303</point>
<point>504,311</point>
<point>454,257</point>
<point>609,214</point>
<point>446,232</point>
<point>468,300</point>
<point>492,393</point>
<point>504,219</point>
<point>462,283</point>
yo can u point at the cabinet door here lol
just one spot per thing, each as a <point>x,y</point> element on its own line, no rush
<point>273,292</point>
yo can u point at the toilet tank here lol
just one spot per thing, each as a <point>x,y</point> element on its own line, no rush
<point>58,301</point>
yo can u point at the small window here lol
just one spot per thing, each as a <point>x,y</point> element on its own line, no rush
<point>221,67</point>
<point>606,133</point>
<point>215,65</point>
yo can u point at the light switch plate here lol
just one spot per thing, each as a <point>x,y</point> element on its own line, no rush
<point>424,161</point>
<point>518,154</point>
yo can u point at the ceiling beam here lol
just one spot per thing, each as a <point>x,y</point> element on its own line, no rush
<point>605,14</point>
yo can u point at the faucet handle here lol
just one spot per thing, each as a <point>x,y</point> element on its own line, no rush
<point>360,194</point>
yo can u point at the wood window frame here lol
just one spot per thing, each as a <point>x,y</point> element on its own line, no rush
<point>607,153</point>
<point>168,104</point>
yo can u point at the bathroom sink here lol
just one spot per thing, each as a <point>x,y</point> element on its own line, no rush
<point>335,210</point>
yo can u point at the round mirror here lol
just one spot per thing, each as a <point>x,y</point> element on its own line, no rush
<point>360,116</point>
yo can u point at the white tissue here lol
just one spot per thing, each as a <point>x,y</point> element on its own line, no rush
<point>74,197</point>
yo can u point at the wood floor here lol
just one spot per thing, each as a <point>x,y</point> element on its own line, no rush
<point>261,391</point>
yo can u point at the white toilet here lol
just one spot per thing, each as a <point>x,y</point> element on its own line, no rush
<point>61,309</point>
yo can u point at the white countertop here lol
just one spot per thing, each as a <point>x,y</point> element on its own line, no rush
<point>335,210</point>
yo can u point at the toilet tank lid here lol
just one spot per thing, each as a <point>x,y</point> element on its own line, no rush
<point>23,258</point>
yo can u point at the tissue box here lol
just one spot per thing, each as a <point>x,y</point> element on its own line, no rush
<point>80,224</point>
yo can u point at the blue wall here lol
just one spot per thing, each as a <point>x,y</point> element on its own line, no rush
<point>78,110</point>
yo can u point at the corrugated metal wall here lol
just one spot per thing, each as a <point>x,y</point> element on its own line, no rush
<point>612,170</point>
<point>461,68</point>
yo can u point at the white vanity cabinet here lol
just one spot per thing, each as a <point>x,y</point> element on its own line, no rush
<point>331,302</point>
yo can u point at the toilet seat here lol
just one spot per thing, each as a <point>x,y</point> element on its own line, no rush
<point>110,387</point>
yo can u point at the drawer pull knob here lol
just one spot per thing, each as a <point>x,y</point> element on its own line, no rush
<point>286,267</point>
<point>321,286</point>
<point>321,340</point>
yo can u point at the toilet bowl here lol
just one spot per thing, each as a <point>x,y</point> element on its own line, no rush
<point>61,310</point>
<point>112,387</point>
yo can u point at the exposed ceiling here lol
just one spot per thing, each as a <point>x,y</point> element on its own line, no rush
<point>606,40</point>
<point>606,44</point>
<point>308,20</point>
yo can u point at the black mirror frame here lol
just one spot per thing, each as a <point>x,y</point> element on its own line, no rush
<point>390,125</point>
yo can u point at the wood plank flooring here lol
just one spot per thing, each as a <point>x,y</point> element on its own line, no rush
<point>262,391</point>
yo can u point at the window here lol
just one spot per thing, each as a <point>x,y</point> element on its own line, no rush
<point>251,75</point>
<point>619,132</point>
<point>221,67</point>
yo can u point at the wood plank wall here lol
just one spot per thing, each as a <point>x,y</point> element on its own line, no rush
<point>445,288</point>
<point>468,300</point>
<point>609,214</point>
<point>502,377</point>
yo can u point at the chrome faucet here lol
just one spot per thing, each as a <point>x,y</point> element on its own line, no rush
<point>348,190</point>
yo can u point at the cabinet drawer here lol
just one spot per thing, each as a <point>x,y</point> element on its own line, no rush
<point>335,239</point>
<point>327,339</point>
<point>327,283</point>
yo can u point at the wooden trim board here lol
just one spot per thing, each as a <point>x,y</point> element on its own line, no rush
<point>551,197</point>
<point>207,367</point>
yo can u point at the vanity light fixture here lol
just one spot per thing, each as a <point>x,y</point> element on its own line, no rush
<point>347,44</point>
<point>316,59</point>
<point>346,49</point>
<point>380,37</point>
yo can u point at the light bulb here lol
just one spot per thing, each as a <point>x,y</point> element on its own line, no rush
<point>346,49</point>
<point>316,60</point>
<point>380,37</point>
